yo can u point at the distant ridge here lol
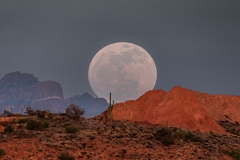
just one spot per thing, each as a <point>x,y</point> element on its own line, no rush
<point>19,90</point>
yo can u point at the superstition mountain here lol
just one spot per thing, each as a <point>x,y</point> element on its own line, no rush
<point>19,90</point>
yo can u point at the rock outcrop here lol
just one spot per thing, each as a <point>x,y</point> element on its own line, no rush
<point>182,108</point>
<point>19,90</point>
<point>16,91</point>
<point>48,95</point>
<point>92,106</point>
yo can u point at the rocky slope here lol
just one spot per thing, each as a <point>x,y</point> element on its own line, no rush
<point>182,108</point>
<point>98,139</point>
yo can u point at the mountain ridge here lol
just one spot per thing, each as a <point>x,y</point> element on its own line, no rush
<point>19,90</point>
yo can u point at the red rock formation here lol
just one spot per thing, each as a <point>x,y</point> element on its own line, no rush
<point>221,107</point>
<point>179,107</point>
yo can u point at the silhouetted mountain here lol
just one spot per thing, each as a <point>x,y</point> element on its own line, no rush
<point>19,90</point>
<point>92,106</point>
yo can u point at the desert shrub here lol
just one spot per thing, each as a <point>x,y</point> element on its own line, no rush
<point>34,124</point>
<point>22,120</point>
<point>233,153</point>
<point>2,152</point>
<point>66,157</point>
<point>175,129</point>
<point>165,136</point>
<point>45,124</point>
<point>71,129</point>
<point>191,137</point>
<point>8,129</point>
<point>43,114</point>
<point>162,132</point>
<point>74,112</point>
<point>167,140</point>
<point>179,134</point>
<point>30,111</point>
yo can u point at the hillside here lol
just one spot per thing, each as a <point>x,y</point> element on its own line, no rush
<point>182,108</point>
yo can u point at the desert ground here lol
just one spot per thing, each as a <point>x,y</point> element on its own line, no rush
<point>98,138</point>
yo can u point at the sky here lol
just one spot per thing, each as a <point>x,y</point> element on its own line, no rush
<point>195,44</point>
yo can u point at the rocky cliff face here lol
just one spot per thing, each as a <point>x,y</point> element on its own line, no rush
<point>48,95</point>
<point>92,106</point>
<point>16,91</point>
<point>19,90</point>
<point>182,108</point>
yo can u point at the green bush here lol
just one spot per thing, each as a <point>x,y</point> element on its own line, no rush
<point>74,112</point>
<point>162,132</point>
<point>179,134</point>
<point>34,124</point>
<point>66,157</point>
<point>46,124</point>
<point>2,152</point>
<point>165,136</point>
<point>192,137</point>
<point>8,129</point>
<point>233,153</point>
<point>22,120</point>
<point>71,129</point>
<point>167,140</point>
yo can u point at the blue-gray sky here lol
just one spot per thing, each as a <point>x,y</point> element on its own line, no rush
<point>195,44</point>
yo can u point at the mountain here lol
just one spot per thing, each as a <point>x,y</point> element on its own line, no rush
<point>48,95</point>
<point>19,90</point>
<point>92,106</point>
<point>182,108</point>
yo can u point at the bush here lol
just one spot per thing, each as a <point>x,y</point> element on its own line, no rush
<point>162,132</point>
<point>2,152</point>
<point>34,124</point>
<point>233,153</point>
<point>179,134</point>
<point>71,129</point>
<point>22,120</point>
<point>45,124</point>
<point>165,136</point>
<point>30,111</point>
<point>192,137</point>
<point>74,112</point>
<point>8,129</point>
<point>66,157</point>
<point>167,140</point>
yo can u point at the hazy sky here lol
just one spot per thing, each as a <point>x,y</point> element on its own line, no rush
<point>195,44</point>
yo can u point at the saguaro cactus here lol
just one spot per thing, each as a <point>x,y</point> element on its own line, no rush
<point>109,116</point>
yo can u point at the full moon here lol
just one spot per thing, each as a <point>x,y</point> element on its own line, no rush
<point>124,69</point>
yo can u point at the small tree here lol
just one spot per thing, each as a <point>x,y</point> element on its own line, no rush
<point>73,111</point>
<point>30,111</point>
